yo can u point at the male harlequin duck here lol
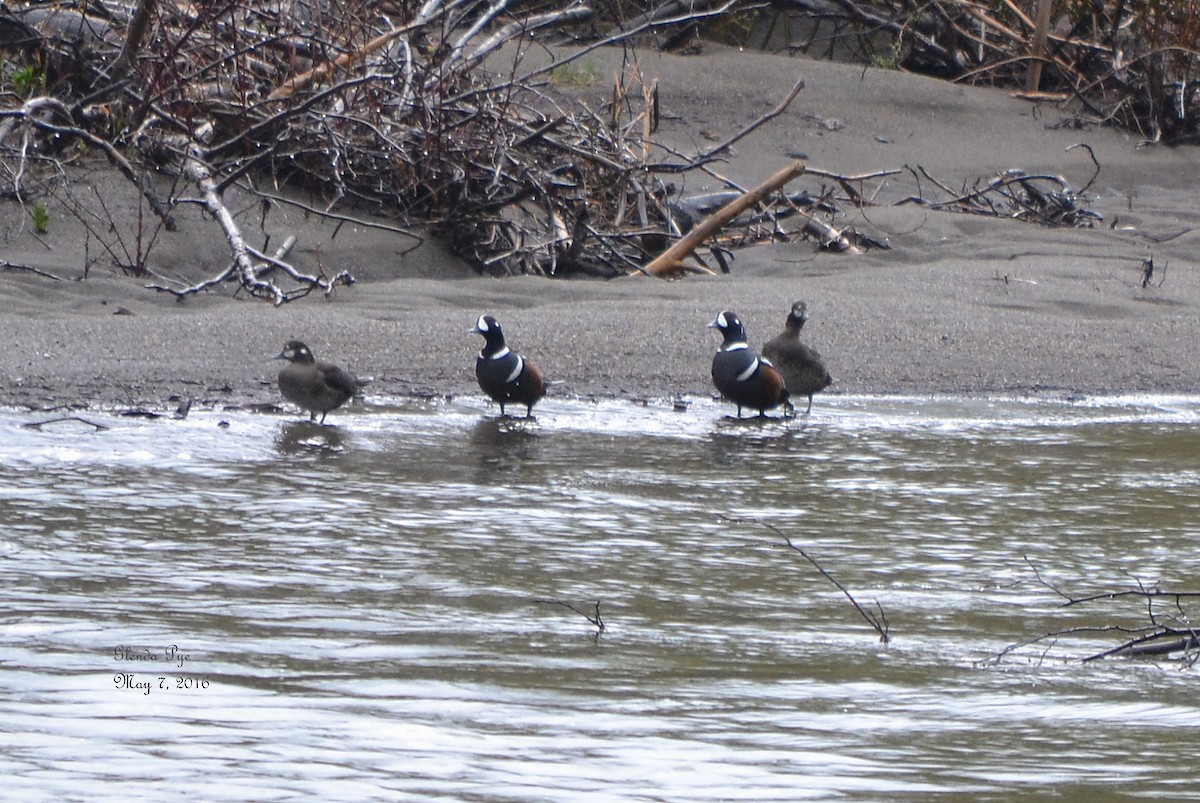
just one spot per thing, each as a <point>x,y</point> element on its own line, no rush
<point>802,368</point>
<point>742,376</point>
<point>503,374</point>
<point>312,385</point>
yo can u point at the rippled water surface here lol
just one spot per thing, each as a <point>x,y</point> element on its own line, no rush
<point>404,605</point>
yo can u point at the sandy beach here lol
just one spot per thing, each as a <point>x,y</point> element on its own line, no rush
<point>959,304</point>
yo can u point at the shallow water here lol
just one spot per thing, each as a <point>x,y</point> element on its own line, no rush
<point>398,606</point>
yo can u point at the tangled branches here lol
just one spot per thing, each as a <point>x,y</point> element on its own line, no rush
<point>1046,199</point>
<point>1165,629</point>
<point>426,115</point>
<point>442,117</point>
<point>1129,64</point>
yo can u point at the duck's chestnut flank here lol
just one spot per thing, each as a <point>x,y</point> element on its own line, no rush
<point>503,374</point>
<point>742,376</point>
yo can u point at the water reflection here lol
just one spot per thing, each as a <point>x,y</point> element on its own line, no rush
<point>501,445</point>
<point>308,437</point>
<point>369,590</point>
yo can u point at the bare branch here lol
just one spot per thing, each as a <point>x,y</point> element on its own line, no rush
<point>713,152</point>
<point>878,621</point>
<point>39,424</point>
<point>593,617</point>
<point>31,113</point>
<point>6,265</point>
<point>1159,636</point>
<point>671,259</point>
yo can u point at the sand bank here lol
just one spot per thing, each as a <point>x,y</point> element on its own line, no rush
<point>958,304</point>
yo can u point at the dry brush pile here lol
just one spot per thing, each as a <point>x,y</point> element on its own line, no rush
<point>1113,62</point>
<point>392,107</point>
<point>425,115</point>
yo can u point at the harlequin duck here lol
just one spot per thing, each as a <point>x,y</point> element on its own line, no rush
<point>312,385</point>
<point>803,370</point>
<point>742,376</point>
<point>503,374</point>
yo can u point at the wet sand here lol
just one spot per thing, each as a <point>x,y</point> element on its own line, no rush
<point>959,304</point>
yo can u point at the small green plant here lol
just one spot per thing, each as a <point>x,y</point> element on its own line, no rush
<point>27,80</point>
<point>40,216</point>
<point>577,73</point>
<point>886,59</point>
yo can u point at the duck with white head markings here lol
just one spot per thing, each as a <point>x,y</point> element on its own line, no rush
<point>503,374</point>
<point>311,384</point>
<point>742,376</point>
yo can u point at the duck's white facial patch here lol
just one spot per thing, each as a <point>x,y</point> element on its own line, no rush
<point>517,369</point>
<point>720,321</point>
<point>481,325</point>
<point>749,372</point>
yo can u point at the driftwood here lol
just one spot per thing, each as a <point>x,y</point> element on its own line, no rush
<point>6,265</point>
<point>1038,198</point>
<point>1164,629</point>
<point>342,104</point>
<point>691,211</point>
<point>374,112</point>
<point>593,617</point>
<point>671,260</point>
<point>1119,63</point>
<point>70,418</point>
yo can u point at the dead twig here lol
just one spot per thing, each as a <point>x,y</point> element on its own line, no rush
<point>593,617</point>
<point>711,153</point>
<point>6,265</point>
<point>1091,155</point>
<point>34,111</point>
<point>1016,194</point>
<point>876,619</point>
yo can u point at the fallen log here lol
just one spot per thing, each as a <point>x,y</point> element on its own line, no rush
<point>672,259</point>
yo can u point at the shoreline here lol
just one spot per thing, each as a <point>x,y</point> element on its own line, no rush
<point>605,341</point>
<point>960,304</point>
